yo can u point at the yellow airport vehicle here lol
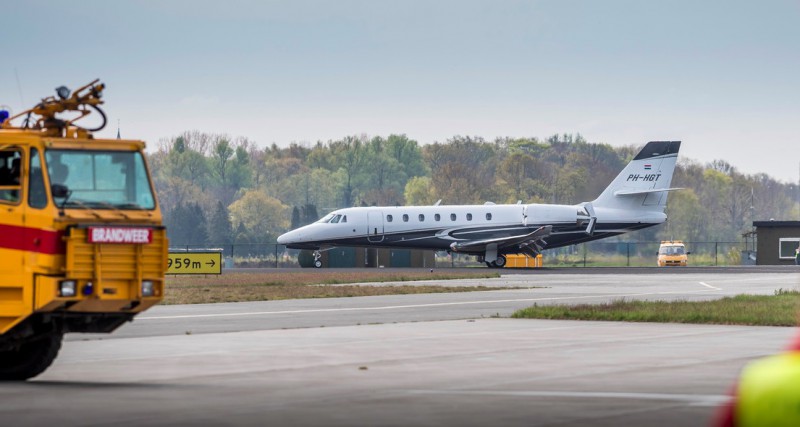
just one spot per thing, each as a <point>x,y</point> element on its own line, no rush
<point>82,245</point>
<point>523,261</point>
<point>672,253</point>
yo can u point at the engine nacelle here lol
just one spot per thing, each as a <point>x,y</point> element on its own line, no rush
<point>552,214</point>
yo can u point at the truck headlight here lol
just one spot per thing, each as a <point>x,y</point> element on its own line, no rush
<point>147,288</point>
<point>67,288</point>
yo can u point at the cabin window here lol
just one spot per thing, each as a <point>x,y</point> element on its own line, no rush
<point>389,218</point>
<point>421,217</point>
<point>37,195</point>
<point>488,216</point>
<point>437,217</point>
<point>10,170</point>
<point>469,217</point>
<point>405,217</point>
<point>452,217</point>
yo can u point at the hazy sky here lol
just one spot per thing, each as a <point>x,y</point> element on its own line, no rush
<point>722,76</point>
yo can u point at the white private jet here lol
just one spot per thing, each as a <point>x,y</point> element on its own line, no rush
<point>634,200</point>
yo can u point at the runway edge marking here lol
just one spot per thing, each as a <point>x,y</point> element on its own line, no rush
<point>395,307</point>
<point>709,286</point>
<point>693,399</point>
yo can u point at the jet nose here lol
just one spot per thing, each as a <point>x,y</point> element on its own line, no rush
<point>296,236</point>
<point>287,238</point>
<point>301,238</point>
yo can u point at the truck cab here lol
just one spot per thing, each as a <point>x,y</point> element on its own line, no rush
<point>82,245</point>
<point>672,253</point>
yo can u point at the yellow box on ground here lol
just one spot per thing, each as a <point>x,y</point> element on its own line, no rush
<point>523,261</point>
<point>194,263</point>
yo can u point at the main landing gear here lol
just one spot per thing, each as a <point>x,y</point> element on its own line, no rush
<point>500,262</point>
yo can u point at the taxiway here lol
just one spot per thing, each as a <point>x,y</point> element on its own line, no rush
<point>432,359</point>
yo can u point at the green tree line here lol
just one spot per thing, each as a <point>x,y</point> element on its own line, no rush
<point>218,190</point>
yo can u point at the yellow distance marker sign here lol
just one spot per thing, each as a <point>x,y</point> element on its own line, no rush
<point>194,263</point>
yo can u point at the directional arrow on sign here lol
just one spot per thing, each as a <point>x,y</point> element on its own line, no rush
<point>211,263</point>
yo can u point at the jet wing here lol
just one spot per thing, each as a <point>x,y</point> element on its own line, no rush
<point>522,240</point>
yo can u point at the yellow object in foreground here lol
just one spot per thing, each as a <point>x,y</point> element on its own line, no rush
<point>769,392</point>
<point>82,245</point>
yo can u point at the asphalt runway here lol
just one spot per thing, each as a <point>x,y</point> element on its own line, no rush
<point>432,359</point>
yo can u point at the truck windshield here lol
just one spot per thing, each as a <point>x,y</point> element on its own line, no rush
<point>672,250</point>
<point>101,179</point>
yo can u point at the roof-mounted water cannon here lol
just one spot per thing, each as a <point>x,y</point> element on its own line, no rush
<point>81,101</point>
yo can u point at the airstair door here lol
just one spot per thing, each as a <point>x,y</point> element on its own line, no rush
<point>375,226</point>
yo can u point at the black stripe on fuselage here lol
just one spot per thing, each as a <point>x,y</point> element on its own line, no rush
<point>562,235</point>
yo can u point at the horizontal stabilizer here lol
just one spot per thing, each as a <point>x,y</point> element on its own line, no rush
<point>645,191</point>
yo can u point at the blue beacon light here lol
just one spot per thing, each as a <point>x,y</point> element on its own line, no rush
<point>3,116</point>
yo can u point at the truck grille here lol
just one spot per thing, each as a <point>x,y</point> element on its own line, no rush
<point>103,262</point>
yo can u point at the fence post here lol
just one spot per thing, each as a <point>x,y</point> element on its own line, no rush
<point>628,245</point>
<point>276,255</point>
<point>715,253</point>
<point>584,255</point>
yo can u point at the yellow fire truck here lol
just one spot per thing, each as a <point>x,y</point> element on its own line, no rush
<point>82,246</point>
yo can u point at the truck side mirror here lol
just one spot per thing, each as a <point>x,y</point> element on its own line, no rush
<point>59,191</point>
<point>688,253</point>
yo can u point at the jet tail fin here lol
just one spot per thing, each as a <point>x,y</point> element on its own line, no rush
<point>645,182</point>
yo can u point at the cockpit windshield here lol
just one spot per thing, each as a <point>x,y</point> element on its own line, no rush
<point>333,218</point>
<point>325,218</point>
<point>101,179</point>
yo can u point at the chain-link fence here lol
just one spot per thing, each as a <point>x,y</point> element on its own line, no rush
<point>640,254</point>
<point>591,254</point>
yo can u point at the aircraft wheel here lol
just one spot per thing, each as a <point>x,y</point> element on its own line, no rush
<point>500,262</point>
<point>318,264</point>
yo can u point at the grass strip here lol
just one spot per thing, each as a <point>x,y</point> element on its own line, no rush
<point>320,277</point>
<point>238,293</point>
<point>780,309</point>
<point>239,287</point>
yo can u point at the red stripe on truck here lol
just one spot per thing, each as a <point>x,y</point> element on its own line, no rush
<point>29,239</point>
